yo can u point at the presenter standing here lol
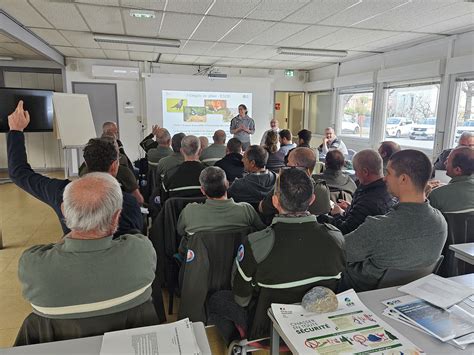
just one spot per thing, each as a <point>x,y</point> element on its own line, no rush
<point>242,126</point>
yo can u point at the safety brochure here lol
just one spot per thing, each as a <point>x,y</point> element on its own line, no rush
<point>352,328</point>
<point>173,338</point>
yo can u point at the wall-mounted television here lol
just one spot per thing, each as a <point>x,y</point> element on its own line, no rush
<point>38,103</point>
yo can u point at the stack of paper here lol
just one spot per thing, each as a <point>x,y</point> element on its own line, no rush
<point>436,306</point>
<point>352,328</point>
<point>173,338</point>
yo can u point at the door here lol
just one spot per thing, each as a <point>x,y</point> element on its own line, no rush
<point>289,110</point>
<point>103,102</point>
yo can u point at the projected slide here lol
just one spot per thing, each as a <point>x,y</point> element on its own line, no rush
<point>202,113</point>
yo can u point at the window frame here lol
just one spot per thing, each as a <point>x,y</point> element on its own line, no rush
<point>331,114</point>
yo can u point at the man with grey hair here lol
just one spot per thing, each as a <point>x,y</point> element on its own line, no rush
<point>466,140</point>
<point>79,277</point>
<point>110,128</point>
<point>215,151</point>
<point>273,128</point>
<point>331,141</point>
<point>371,197</point>
<point>183,180</point>
<point>163,138</point>
<point>218,213</point>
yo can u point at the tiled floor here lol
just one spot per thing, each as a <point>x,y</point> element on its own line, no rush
<point>25,221</point>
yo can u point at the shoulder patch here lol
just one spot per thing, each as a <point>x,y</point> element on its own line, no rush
<point>190,256</point>
<point>240,253</point>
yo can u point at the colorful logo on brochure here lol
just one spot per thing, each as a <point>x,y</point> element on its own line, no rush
<point>349,302</point>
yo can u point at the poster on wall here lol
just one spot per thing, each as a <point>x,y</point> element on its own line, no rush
<point>201,113</point>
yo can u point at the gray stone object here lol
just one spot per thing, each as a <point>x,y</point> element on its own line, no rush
<point>320,300</point>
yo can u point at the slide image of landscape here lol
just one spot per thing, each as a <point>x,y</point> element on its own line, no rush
<point>215,106</point>
<point>195,114</point>
<point>176,105</point>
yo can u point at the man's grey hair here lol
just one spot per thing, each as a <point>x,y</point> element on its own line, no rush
<point>369,159</point>
<point>466,135</point>
<point>190,145</point>
<point>91,201</point>
<point>163,136</point>
<point>213,181</point>
<point>108,125</point>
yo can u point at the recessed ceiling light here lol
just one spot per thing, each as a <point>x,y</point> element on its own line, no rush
<point>311,52</point>
<point>142,14</point>
<point>147,41</point>
<point>7,58</point>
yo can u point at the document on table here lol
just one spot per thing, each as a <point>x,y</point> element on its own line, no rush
<point>172,338</point>
<point>437,290</point>
<point>352,328</point>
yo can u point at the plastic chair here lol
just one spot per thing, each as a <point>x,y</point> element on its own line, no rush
<point>460,230</point>
<point>396,277</point>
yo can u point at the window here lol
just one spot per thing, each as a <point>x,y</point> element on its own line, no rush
<point>320,104</point>
<point>465,109</point>
<point>411,114</point>
<point>355,113</point>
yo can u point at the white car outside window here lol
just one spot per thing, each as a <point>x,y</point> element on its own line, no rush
<point>398,127</point>
<point>424,129</point>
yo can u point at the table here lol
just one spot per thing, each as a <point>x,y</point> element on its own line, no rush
<point>464,252</point>
<point>92,345</point>
<point>373,301</point>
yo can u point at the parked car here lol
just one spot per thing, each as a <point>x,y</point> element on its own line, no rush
<point>398,127</point>
<point>424,129</point>
<point>349,125</point>
<point>467,126</point>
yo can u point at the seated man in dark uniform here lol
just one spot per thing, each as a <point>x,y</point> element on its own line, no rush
<point>295,249</point>
<point>183,180</point>
<point>333,174</point>
<point>100,156</point>
<point>232,162</point>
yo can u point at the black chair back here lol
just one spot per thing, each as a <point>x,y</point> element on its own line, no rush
<point>396,277</point>
<point>460,230</point>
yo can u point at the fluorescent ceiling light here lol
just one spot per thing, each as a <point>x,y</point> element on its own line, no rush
<point>311,52</point>
<point>146,14</point>
<point>147,41</point>
<point>7,58</point>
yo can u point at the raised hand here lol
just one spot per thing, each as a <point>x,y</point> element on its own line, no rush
<point>19,119</point>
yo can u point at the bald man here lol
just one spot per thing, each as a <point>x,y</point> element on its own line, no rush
<point>273,128</point>
<point>216,151</point>
<point>110,128</point>
<point>458,195</point>
<point>88,273</point>
<point>163,149</point>
<point>466,140</point>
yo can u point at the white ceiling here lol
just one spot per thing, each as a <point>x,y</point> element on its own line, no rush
<point>240,33</point>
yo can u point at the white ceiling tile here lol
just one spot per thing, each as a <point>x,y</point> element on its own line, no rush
<point>4,38</point>
<point>102,19</point>
<point>249,62</point>
<point>318,10</point>
<point>222,49</point>
<point>92,53</point>
<point>113,46</point>
<point>392,42</point>
<point>4,51</point>
<point>169,50</point>
<point>325,41</point>
<point>206,60</point>
<point>246,30</point>
<point>52,37</point>
<point>102,2</point>
<point>18,48</point>
<point>141,26</point>
<point>185,59</point>
<point>352,38</point>
<point>144,4</point>
<point>179,26</point>
<point>24,13</point>
<point>449,26</point>
<point>363,11</point>
<point>309,34</point>
<point>69,51</point>
<point>233,8</point>
<point>196,47</point>
<point>151,57</point>
<point>213,28</point>
<point>80,39</point>
<point>253,51</point>
<point>63,16</point>
<point>167,58</point>
<point>186,6</point>
<point>276,10</point>
<point>113,54</point>
<point>277,33</point>
<point>141,48</point>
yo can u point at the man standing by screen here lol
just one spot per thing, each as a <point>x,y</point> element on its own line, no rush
<point>242,126</point>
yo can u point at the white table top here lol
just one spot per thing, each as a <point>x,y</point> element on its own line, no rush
<point>466,249</point>
<point>91,345</point>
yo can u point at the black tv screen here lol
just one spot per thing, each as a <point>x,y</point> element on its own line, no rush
<point>38,103</point>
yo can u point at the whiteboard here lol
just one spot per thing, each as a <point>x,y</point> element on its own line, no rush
<point>73,117</point>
